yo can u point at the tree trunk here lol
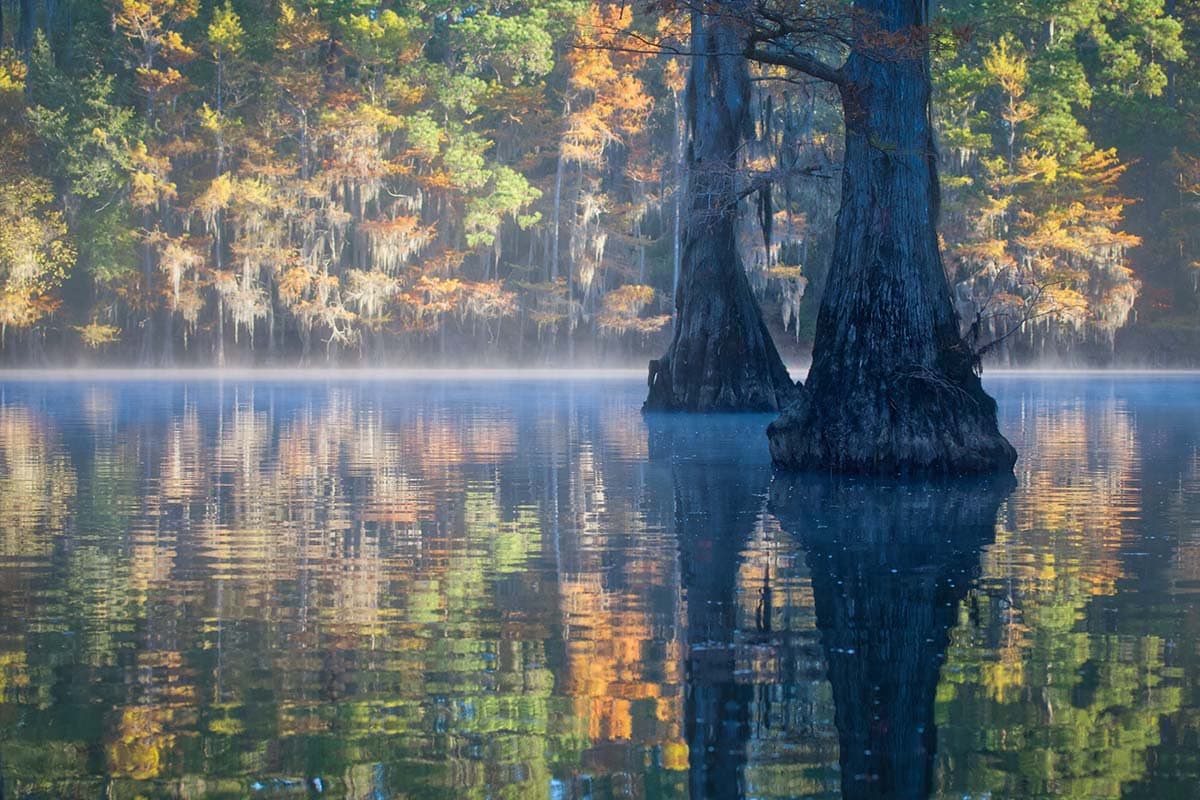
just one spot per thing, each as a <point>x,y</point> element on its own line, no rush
<point>220,331</point>
<point>558,179</point>
<point>677,201</point>
<point>168,338</point>
<point>721,357</point>
<point>146,356</point>
<point>893,387</point>
<point>26,24</point>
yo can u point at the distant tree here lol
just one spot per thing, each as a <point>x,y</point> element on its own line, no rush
<point>1034,205</point>
<point>36,254</point>
<point>84,137</point>
<point>151,29</point>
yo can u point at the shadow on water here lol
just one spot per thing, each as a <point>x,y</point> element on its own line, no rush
<point>890,562</point>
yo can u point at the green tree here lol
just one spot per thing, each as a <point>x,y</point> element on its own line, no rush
<point>1034,207</point>
<point>36,253</point>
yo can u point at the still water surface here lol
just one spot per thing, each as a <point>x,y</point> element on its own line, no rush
<point>525,589</point>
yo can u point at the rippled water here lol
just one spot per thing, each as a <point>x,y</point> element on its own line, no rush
<point>423,588</point>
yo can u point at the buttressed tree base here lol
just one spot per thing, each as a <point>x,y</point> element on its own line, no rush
<point>893,386</point>
<point>721,357</point>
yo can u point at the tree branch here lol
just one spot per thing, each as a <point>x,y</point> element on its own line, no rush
<point>762,180</point>
<point>799,61</point>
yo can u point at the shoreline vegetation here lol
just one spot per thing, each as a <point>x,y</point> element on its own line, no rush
<point>304,181</point>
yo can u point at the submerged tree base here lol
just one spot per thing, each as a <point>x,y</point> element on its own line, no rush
<point>735,390</point>
<point>911,421</point>
<point>752,379</point>
<point>893,387</point>
<point>721,357</point>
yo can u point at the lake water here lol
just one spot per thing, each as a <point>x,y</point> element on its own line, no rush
<point>422,588</point>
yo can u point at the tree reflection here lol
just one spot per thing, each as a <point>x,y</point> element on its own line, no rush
<point>716,493</point>
<point>223,588</point>
<point>1063,674</point>
<point>890,563</point>
<point>878,568</point>
<point>538,593</point>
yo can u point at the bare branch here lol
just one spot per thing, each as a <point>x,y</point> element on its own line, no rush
<point>1032,312</point>
<point>773,38</point>
<point>761,180</point>
<point>799,61</point>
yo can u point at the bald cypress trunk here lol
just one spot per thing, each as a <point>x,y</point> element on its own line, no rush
<point>721,357</point>
<point>893,387</point>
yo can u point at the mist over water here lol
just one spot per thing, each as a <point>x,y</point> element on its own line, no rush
<point>492,373</point>
<point>419,584</point>
<point>250,375</point>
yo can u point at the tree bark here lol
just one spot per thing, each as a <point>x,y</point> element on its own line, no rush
<point>677,166</point>
<point>558,179</point>
<point>146,355</point>
<point>721,357</point>
<point>893,387</point>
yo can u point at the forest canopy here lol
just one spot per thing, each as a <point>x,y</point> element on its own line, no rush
<point>242,181</point>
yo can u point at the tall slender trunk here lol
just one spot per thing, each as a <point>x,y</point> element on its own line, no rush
<point>677,169</point>
<point>26,23</point>
<point>893,386</point>
<point>574,231</point>
<point>272,344</point>
<point>51,19</point>
<point>220,332</point>
<point>721,356</point>
<point>146,356</point>
<point>168,338</point>
<point>219,218</point>
<point>637,232</point>
<point>304,145</point>
<point>558,179</point>
<point>1172,67</point>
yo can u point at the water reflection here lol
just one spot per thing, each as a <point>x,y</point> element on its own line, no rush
<point>1074,672</point>
<point>215,591</point>
<point>716,492</point>
<point>447,590</point>
<point>890,563</point>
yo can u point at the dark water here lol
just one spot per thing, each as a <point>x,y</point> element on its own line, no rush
<point>527,590</point>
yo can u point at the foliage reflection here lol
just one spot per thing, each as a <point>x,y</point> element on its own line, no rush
<point>437,590</point>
